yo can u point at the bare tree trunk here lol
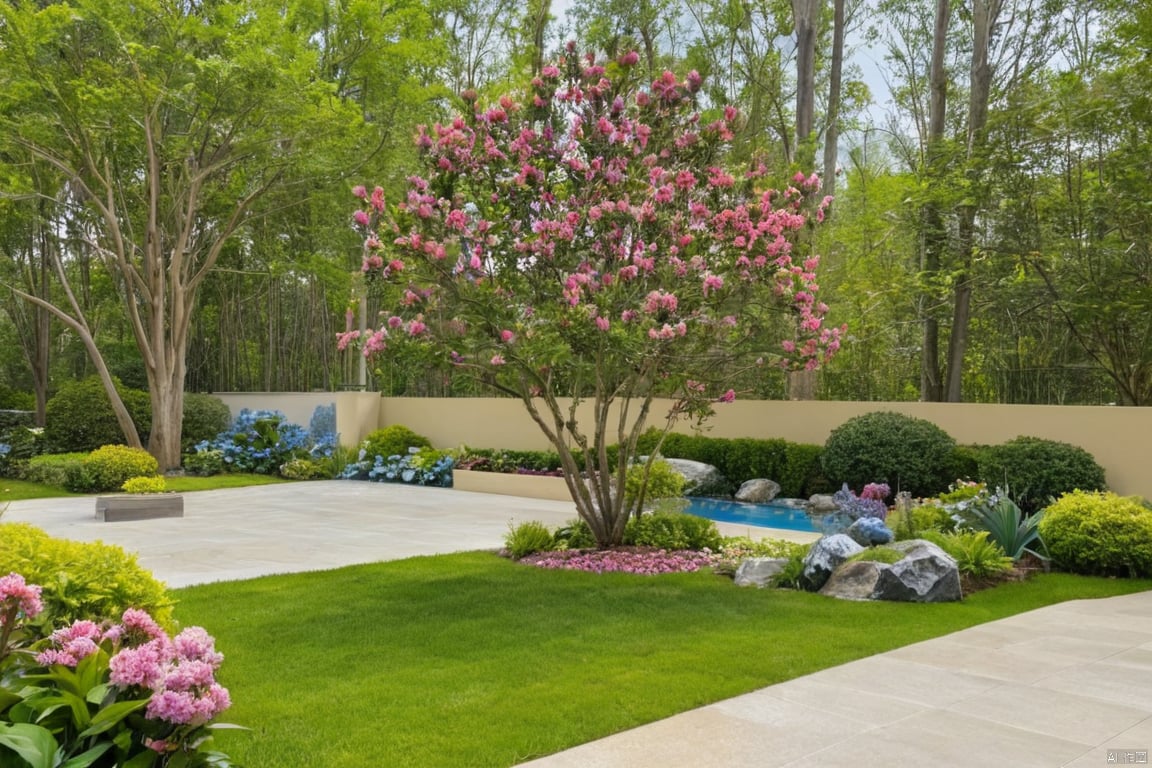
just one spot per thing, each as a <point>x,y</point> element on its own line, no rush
<point>832,131</point>
<point>984,15</point>
<point>933,237</point>
<point>804,16</point>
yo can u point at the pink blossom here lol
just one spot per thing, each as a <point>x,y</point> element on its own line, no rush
<point>507,336</point>
<point>360,191</point>
<point>602,323</point>
<point>497,360</point>
<point>344,339</point>
<point>195,644</point>
<point>361,218</point>
<point>377,200</point>
<point>416,327</point>
<point>143,666</point>
<point>712,283</point>
<point>629,59</point>
<point>17,595</point>
<point>727,397</point>
<point>140,627</point>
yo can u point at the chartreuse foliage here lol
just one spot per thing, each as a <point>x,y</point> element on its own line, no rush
<point>81,580</point>
<point>584,240</point>
<point>479,660</point>
<point>1099,533</point>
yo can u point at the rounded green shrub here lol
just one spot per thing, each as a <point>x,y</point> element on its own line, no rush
<point>1099,533</point>
<point>81,580</point>
<point>205,416</point>
<point>1036,471</point>
<point>394,440</point>
<point>663,483</point>
<point>80,418</point>
<point>671,531</point>
<point>108,467</point>
<point>907,453</point>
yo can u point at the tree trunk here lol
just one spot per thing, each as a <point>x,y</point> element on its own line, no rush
<point>832,131</point>
<point>804,15</point>
<point>984,15</point>
<point>933,236</point>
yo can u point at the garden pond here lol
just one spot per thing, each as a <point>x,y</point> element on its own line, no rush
<point>773,515</point>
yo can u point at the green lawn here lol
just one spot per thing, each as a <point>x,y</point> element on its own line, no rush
<point>15,490</point>
<point>471,660</point>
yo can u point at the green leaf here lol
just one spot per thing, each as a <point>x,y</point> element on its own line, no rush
<point>145,759</point>
<point>31,742</point>
<point>88,757</point>
<point>111,715</point>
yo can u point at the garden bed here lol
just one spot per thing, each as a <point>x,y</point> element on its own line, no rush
<point>511,484</point>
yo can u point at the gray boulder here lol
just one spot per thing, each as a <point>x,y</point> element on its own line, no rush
<point>758,491</point>
<point>825,556</point>
<point>698,476</point>
<point>758,571</point>
<point>926,574</point>
<point>870,532</point>
<point>821,503</point>
<point>854,581</point>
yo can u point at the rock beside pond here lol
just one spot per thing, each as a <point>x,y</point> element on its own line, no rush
<point>925,574</point>
<point>821,503</point>
<point>824,557</point>
<point>758,491</point>
<point>870,532</point>
<point>759,571</point>
<point>854,581</point>
<point>699,478</point>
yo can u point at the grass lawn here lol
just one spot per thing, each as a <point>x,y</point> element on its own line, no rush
<point>15,490</point>
<point>471,660</point>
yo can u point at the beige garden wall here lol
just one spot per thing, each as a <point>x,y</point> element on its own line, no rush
<point>1117,437</point>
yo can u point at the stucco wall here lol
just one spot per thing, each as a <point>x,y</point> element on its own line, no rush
<point>1117,437</point>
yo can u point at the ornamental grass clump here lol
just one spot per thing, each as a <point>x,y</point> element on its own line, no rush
<point>96,694</point>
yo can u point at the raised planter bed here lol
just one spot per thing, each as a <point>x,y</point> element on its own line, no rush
<point>147,506</point>
<point>527,486</point>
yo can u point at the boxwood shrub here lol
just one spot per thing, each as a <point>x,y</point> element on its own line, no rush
<point>1099,533</point>
<point>907,453</point>
<point>80,418</point>
<point>394,440</point>
<point>1035,471</point>
<point>108,467</point>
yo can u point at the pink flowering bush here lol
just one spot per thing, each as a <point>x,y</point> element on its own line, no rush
<point>585,241</point>
<point>96,695</point>
<point>638,561</point>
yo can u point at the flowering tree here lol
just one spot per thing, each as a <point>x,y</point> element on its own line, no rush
<point>589,244</point>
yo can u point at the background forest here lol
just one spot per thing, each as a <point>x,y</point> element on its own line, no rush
<point>175,179</point>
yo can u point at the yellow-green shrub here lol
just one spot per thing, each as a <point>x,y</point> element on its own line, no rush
<point>144,485</point>
<point>81,580</point>
<point>664,482</point>
<point>109,466</point>
<point>1099,533</point>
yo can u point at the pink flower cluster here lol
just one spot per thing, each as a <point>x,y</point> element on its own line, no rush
<point>179,672</point>
<point>17,596</point>
<point>72,644</point>
<point>640,562</point>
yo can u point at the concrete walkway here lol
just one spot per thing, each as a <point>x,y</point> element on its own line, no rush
<point>1067,685</point>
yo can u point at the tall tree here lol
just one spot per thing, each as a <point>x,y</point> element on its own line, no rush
<point>171,121</point>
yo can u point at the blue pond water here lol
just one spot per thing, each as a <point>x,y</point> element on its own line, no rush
<point>762,515</point>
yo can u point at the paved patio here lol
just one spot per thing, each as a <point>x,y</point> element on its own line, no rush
<point>1067,685</point>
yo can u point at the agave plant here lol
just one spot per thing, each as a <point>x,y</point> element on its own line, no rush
<point>1007,525</point>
